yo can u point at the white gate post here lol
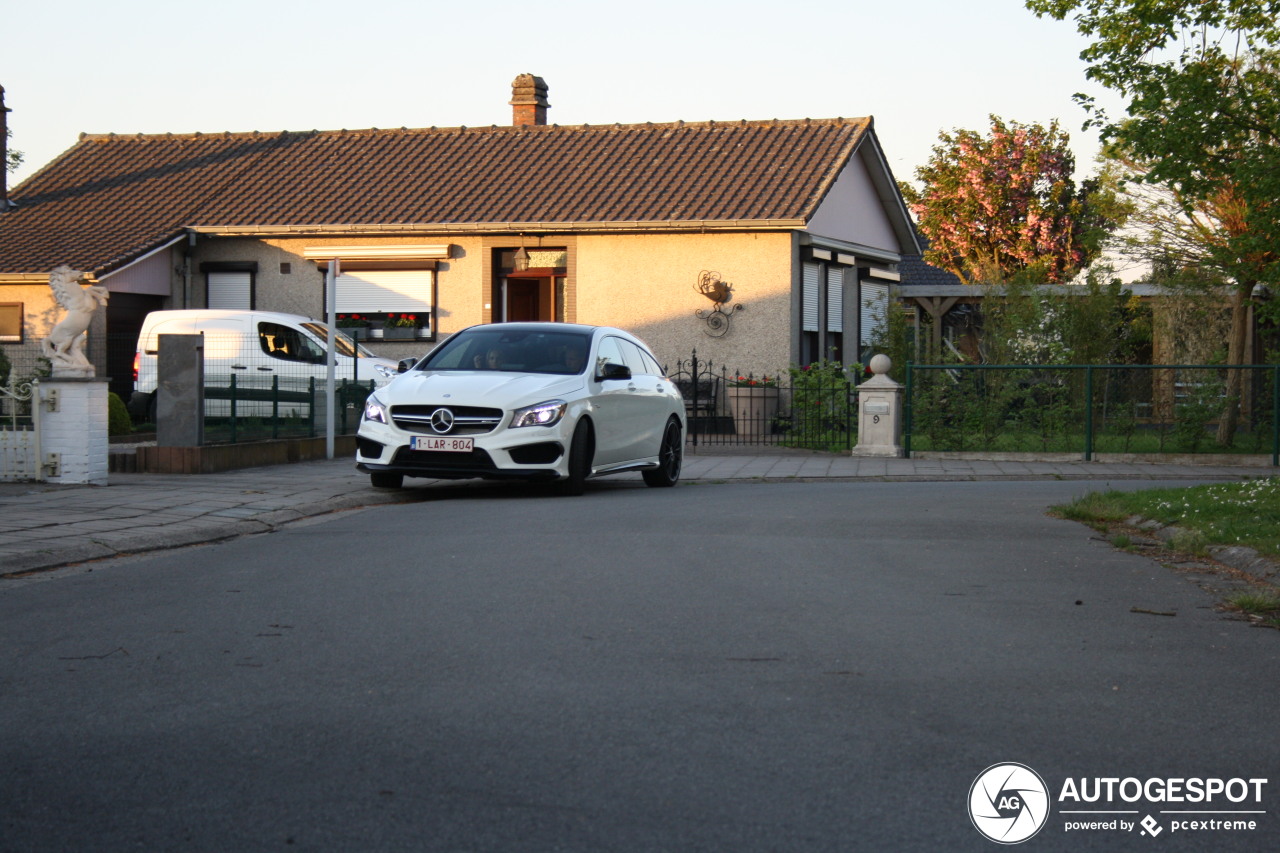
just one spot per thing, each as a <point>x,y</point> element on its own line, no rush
<point>73,430</point>
<point>879,412</point>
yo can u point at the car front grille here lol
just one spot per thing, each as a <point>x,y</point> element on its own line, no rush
<point>467,420</point>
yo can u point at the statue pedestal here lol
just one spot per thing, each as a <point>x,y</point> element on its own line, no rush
<point>73,430</point>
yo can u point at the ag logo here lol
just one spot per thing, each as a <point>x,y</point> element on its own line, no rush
<point>1008,803</point>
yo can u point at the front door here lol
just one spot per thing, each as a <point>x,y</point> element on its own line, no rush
<point>524,303</point>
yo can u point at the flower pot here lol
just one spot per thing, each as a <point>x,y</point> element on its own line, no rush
<point>422,333</point>
<point>375,334</point>
<point>754,407</point>
<point>398,333</point>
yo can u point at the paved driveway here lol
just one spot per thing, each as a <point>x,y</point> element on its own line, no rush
<point>822,666</point>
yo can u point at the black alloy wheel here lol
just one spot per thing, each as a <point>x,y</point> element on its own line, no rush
<point>670,458</point>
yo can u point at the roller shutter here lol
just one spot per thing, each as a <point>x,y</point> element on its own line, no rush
<point>873,311</point>
<point>230,290</point>
<point>812,281</point>
<point>390,291</point>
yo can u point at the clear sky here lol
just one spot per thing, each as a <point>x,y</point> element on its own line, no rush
<point>145,66</point>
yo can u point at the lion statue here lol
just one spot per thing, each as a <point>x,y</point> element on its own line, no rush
<point>64,347</point>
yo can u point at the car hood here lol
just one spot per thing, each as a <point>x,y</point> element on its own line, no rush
<point>492,389</point>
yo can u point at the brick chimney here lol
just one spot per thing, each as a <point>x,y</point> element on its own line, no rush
<point>528,100</point>
<point>4,154</point>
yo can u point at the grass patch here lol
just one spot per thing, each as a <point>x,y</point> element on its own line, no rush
<point>1096,509</point>
<point>1245,514</point>
<point>1263,606</point>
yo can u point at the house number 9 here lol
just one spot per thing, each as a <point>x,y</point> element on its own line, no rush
<point>875,419</point>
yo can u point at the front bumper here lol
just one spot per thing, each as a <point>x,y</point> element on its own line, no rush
<point>527,453</point>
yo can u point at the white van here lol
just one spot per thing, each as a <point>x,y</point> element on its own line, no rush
<point>265,351</point>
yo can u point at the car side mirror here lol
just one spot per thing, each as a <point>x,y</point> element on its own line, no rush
<point>614,371</point>
<point>405,364</point>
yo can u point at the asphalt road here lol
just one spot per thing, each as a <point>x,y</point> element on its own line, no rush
<point>821,666</point>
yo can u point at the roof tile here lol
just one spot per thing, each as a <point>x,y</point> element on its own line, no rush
<point>110,198</point>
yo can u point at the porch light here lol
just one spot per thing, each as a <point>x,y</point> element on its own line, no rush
<point>521,259</point>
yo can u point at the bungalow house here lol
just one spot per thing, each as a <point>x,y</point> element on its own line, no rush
<point>760,243</point>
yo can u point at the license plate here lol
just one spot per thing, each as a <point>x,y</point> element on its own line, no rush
<point>442,443</point>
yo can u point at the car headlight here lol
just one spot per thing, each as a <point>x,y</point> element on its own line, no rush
<point>374,410</point>
<point>542,415</point>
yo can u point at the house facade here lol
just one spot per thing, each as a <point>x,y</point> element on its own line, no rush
<point>760,243</point>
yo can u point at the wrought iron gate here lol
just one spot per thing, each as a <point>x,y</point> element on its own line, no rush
<point>20,431</point>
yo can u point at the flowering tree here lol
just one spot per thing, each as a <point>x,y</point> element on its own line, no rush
<point>992,206</point>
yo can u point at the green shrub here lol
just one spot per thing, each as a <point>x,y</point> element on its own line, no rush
<point>823,414</point>
<point>118,420</point>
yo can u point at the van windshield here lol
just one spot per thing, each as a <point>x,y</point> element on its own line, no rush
<point>343,344</point>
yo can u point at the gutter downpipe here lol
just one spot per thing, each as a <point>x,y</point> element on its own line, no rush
<point>186,268</point>
<point>331,361</point>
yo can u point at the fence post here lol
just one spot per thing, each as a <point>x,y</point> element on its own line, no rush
<point>906,415</point>
<point>1275,416</point>
<point>232,401</point>
<point>311,409</point>
<point>275,406</point>
<point>693,380</point>
<point>1088,413</point>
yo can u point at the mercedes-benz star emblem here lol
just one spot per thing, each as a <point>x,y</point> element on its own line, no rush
<point>442,420</point>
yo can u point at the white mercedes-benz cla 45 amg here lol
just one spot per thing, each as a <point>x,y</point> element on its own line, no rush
<point>537,401</point>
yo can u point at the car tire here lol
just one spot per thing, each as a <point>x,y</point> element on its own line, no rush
<point>386,480</point>
<point>581,455</point>
<point>670,458</point>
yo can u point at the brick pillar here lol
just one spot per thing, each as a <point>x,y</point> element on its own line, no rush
<point>73,430</point>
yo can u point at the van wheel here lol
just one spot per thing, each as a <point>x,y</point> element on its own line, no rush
<point>142,407</point>
<point>386,480</point>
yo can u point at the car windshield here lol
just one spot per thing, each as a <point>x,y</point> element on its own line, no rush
<point>343,344</point>
<point>512,350</point>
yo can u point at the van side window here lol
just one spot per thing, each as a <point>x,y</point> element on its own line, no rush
<point>289,344</point>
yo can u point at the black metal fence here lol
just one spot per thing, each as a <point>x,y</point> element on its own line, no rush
<point>1092,409</point>
<point>236,412</point>
<point>814,407</point>
<point>265,398</point>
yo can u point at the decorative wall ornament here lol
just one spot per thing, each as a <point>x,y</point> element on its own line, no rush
<point>718,291</point>
<point>64,347</point>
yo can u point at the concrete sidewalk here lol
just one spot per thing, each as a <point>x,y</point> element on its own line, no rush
<point>44,526</point>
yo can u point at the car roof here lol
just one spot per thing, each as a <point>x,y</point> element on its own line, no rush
<point>547,325</point>
<point>536,327</point>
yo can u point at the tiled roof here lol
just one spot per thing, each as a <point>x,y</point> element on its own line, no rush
<point>915,271</point>
<point>111,198</point>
